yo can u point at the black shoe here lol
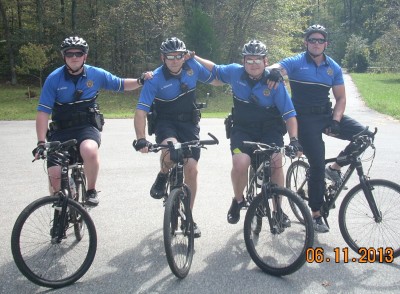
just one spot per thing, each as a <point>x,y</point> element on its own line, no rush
<point>319,225</point>
<point>91,197</point>
<point>234,211</point>
<point>196,231</point>
<point>158,189</point>
<point>281,219</point>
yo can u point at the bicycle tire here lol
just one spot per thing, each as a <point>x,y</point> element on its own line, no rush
<point>80,184</point>
<point>281,250</point>
<point>357,224</point>
<point>178,233</point>
<point>46,263</point>
<point>253,189</point>
<point>296,180</point>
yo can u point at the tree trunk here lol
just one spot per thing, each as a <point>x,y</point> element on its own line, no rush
<point>9,44</point>
<point>73,15</point>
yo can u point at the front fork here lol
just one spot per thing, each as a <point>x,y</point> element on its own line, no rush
<point>60,220</point>
<point>367,189</point>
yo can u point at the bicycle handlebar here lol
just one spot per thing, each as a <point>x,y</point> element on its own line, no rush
<point>54,146</point>
<point>185,145</point>
<point>262,147</point>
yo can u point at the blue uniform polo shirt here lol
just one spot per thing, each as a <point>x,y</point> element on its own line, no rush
<point>60,89</point>
<point>174,93</point>
<point>235,75</point>
<point>310,84</point>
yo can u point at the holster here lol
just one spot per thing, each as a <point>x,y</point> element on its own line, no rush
<point>196,116</point>
<point>151,122</point>
<point>95,117</point>
<point>228,125</point>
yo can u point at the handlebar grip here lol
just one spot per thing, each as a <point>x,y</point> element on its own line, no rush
<point>51,144</point>
<point>214,140</point>
<point>289,151</point>
<point>68,143</point>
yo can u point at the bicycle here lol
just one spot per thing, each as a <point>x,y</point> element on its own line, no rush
<point>178,221</point>
<point>54,239</point>
<point>279,249</point>
<point>367,218</point>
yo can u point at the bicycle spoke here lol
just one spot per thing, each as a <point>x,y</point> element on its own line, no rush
<point>48,263</point>
<point>280,246</point>
<point>358,225</point>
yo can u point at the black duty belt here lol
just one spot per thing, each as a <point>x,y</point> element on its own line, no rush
<point>324,109</point>
<point>183,117</point>
<point>80,118</point>
<point>256,125</point>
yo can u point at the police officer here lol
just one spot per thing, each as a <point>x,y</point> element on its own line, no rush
<point>170,94</point>
<point>312,74</point>
<point>69,96</point>
<point>260,114</point>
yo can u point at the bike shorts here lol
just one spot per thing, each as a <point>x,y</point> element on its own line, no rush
<point>182,131</point>
<point>81,133</point>
<point>240,134</point>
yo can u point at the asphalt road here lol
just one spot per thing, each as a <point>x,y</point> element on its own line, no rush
<point>130,255</point>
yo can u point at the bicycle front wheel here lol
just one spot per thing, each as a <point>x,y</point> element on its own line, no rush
<point>280,247</point>
<point>178,232</point>
<point>358,226</point>
<point>80,184</point>
<point>253,189</point>
<point>296,180</point>
<point>48,261</point>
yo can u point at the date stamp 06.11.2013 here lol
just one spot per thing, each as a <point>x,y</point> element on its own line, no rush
<point>367,255</point>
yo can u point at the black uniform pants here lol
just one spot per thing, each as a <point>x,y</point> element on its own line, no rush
<point>311,127</point>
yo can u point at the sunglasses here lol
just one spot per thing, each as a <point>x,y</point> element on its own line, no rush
<point>254,61</point>
<point>172,57</point>
<point>72,54</point>
<point>316,40</point>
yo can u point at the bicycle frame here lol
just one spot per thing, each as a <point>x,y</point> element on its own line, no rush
<point>60,213</point>
<point>332,192</point>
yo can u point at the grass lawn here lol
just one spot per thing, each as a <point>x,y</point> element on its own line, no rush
<point>380,92</point>
<point>15,104</point>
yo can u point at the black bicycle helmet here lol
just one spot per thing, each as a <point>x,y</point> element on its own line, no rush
<point>316,28</point>
<point>172,45</point>
<point>74,43</point>
<point>254,47</point>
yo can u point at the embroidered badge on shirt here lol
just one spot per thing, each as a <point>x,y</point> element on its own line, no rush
<point>189,72</point>
<point>329,71</point>
<point>89,83</point>
<point>266,92</point>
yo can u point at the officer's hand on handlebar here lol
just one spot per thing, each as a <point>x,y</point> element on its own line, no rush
<point>297,148</point>
<point>333,129</point>
<point>38,152</point>
<point>141,145</point>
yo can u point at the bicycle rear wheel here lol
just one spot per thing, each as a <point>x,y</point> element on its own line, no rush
<point>357,224</point>
<point>280,248</point>
<point>178,232</point>
<point>44,260</point>
<point>296,180</point>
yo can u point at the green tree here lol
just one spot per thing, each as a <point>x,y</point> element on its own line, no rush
<point>33,60</point>
<point>387,49</point>
<point>200,35</point>
<point>357,54</point>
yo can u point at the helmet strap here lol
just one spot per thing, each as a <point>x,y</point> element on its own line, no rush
<point>70,69</point>
<point>315,55</point>
<point>171,72</point>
